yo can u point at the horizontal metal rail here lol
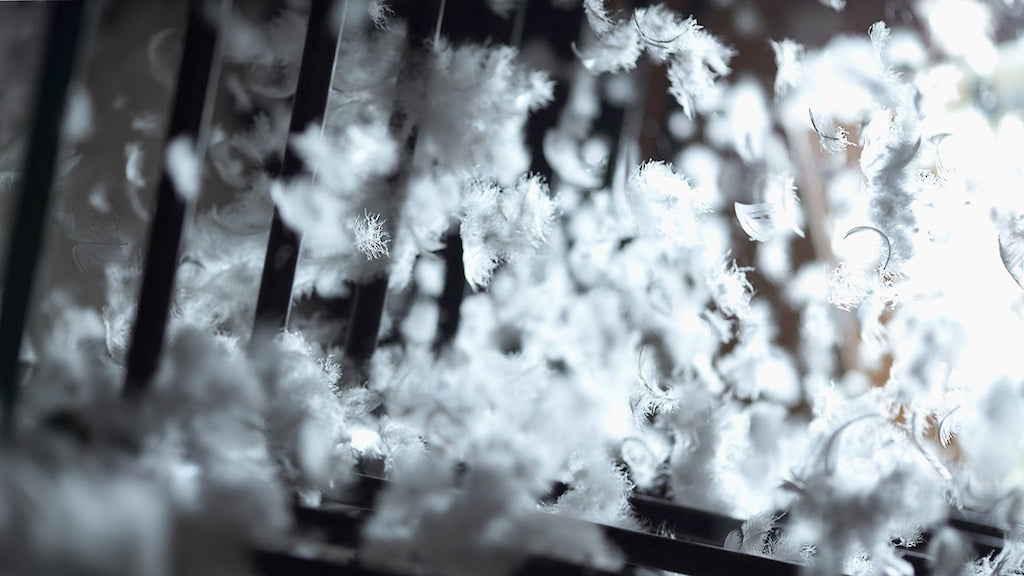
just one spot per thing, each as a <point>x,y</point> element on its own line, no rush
<point>694,526</point>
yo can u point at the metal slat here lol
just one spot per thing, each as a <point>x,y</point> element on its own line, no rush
<point>343,526</point>
<point>66,19</point>
<point>370,295</point>
<point>319,54</point>
<point>190,118</point>
<point>651,551</point>
<point>704,526</point>
<point>474,22</point>
<point>450,303</point>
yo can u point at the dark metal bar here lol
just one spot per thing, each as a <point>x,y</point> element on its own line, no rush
<point>709,527</point>
<point>270,562</point>
<point>643,549</point>
<point>706,527</point>
<point>450,304</point>
<point>470,22</point>
<point>362,492</point>
<point>364,321</point>
<point>971,523</point>
<point>339,525</point>
<point>312,89</point>
<point>342,525</point>
<point>474,21</point>
<point>267,562</point>
<point>197,81</point>
<point>369,296</point>
<point>277,562</point>
<point>651,551</point>
<point>36,182</point>
<point>920,562</point>
<point>981,537</point>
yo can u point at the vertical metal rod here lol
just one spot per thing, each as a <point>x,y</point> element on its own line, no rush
<point>364,323</point>
<point>369,296</point>
<point>519,23</point>
<point>316,73</point>
<point>450,303</point>
<point>36,182</point>
<point>468,25</point>
<point>440,20</point>
<point>190,118</point>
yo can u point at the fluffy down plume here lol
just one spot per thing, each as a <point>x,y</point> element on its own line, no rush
<point>490,415</point>
<point>779,212</point>
<point>730,288</point>
<point>501,222</point>
<point>224,249</point>
<point>788,56</point>
<point>696,60</point>
<point>372,238</point>
<point>308,426</point>
<point>616,51</point>
<point>597,16</point>
<point>347,167</point>
<point>82,518</point>
<point>475,109</point>
<point>663,203</point>
<point>599,492</point>
<point>487,526</point>
<point>859,493</point>
<point>179,482</point>
<point>889,161</point>
<point>380,13</point>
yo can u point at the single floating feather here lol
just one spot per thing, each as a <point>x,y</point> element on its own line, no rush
<point>1012,255</point>
<point>563,156</point>
<point>757,220</point>
<point>97,242</point>
<point>597,16</point>
<point>163,51</point>
<point>836,143</point>
<point>888,243</point>
<point>647,37</point>
<point>949,427</point>
<point>762,220</point>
